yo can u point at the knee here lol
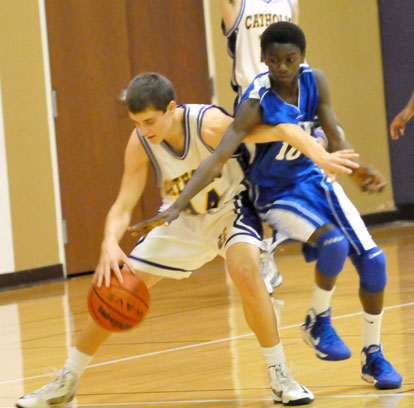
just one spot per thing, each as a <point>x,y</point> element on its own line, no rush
<point>242,274</point>
<point>372,270</point>
<point>332,251</point>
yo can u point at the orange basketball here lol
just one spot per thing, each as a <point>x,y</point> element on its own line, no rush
<point>119,307</point>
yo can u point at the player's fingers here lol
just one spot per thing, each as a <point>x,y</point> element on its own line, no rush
<point>100,274</point>
<point>95,279</point>
<point>129,265</point>
<point>170,218</point>
<point>118,274</point>
<point>345,169</point>
<point>349,163</point>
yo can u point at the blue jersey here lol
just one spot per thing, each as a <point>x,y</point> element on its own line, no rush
<point>277,165</point>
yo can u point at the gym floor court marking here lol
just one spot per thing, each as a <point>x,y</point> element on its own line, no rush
<point>206,343</point>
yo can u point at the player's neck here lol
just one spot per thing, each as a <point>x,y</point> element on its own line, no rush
<point>175,136</point>
<point>288,92</point>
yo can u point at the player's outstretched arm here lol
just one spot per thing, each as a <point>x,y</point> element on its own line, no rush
<point>332,163</point>
<point>397,126</point>
<point>366,177</point>
<point>119,216</point>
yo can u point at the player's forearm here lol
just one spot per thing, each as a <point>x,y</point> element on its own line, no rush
<point>208,170</point>
<point>300,140</point>
<point>116,223</point>
<point>408,112</point>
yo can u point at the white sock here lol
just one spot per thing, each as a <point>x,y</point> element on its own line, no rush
<point>77,361</point>
<point>321,300</point>
<point>274,355</point>
<point>371,328</point>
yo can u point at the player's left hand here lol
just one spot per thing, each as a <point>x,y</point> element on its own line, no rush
<point>340,161</point>
<point>369,179</point>
<point>146,226</point>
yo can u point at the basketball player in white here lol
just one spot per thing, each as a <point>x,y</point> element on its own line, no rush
<point>218,221</point>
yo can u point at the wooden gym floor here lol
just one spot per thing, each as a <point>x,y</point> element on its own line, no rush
<point>195,350</point>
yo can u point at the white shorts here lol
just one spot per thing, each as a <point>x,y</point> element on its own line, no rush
<point>192,240</point>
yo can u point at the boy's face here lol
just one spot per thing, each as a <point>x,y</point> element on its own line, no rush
<point>153,124</point>
<point>283,61</point>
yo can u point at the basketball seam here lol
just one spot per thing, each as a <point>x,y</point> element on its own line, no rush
<point>131,293</point>
<point>134,323</point>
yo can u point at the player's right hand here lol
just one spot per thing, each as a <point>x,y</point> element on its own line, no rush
<point>397,126</point>
<point>163,218</point>
<point>111,260</point>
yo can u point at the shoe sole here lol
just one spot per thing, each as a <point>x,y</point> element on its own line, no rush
<point>380,386</point>
<point>64,405</point>
<point>302,401</point>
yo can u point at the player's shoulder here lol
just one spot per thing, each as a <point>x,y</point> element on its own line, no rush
<point>215,122</point>
<point>136,152</point>
<point>258,87</point>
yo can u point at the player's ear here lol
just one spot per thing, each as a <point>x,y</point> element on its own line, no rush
<point>171,107</point>
<point>302,60</point>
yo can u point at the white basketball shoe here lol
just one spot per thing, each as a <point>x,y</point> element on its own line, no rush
<point>60,393</point>
<point>285,389</point>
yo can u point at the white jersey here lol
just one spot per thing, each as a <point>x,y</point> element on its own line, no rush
<point>243,39</point>
<point>175,170</point>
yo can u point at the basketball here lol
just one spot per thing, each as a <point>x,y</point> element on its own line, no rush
<point>119,307</point>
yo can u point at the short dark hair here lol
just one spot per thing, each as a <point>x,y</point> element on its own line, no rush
<point>285,33</point>
<point>149,90</point>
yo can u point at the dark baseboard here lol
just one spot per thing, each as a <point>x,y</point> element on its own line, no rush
<point>55,272</point>
<point>404,212</point>
<point>29,277</point>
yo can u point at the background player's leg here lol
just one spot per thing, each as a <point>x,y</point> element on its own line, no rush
<point>268,267</point>
<point>61,392</point>
<point>243,261</point>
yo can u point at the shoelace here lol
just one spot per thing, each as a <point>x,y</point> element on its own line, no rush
<point>380,364</point>
<point>327,331</point>
<point>56,384</point>
<point>283,376</point>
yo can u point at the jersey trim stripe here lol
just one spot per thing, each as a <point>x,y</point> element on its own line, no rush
<point>152,158</point>
<point>239,17</point>
<point>157,264</point>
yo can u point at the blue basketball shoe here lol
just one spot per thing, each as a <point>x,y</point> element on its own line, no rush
<point>376,369</point>
<point>319,334</point>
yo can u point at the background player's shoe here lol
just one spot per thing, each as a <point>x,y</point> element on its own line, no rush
<point>269,272</point>
<point>285,389</point>
<point>60,393</point>
<point>376,369</point>
<point>319,334</point>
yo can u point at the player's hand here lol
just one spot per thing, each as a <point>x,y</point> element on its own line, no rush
<point>163,218</point>
<point>397,126</point>
<point>338,162</point>
<point>111,260</point>
<point>369,179</point>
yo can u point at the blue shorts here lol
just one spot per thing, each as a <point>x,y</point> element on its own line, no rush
<point>295,212</point>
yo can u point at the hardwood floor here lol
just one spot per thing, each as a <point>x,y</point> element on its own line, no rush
<point>195,349</point>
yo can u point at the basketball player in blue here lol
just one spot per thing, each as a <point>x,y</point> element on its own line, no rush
<point>298,200</point>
